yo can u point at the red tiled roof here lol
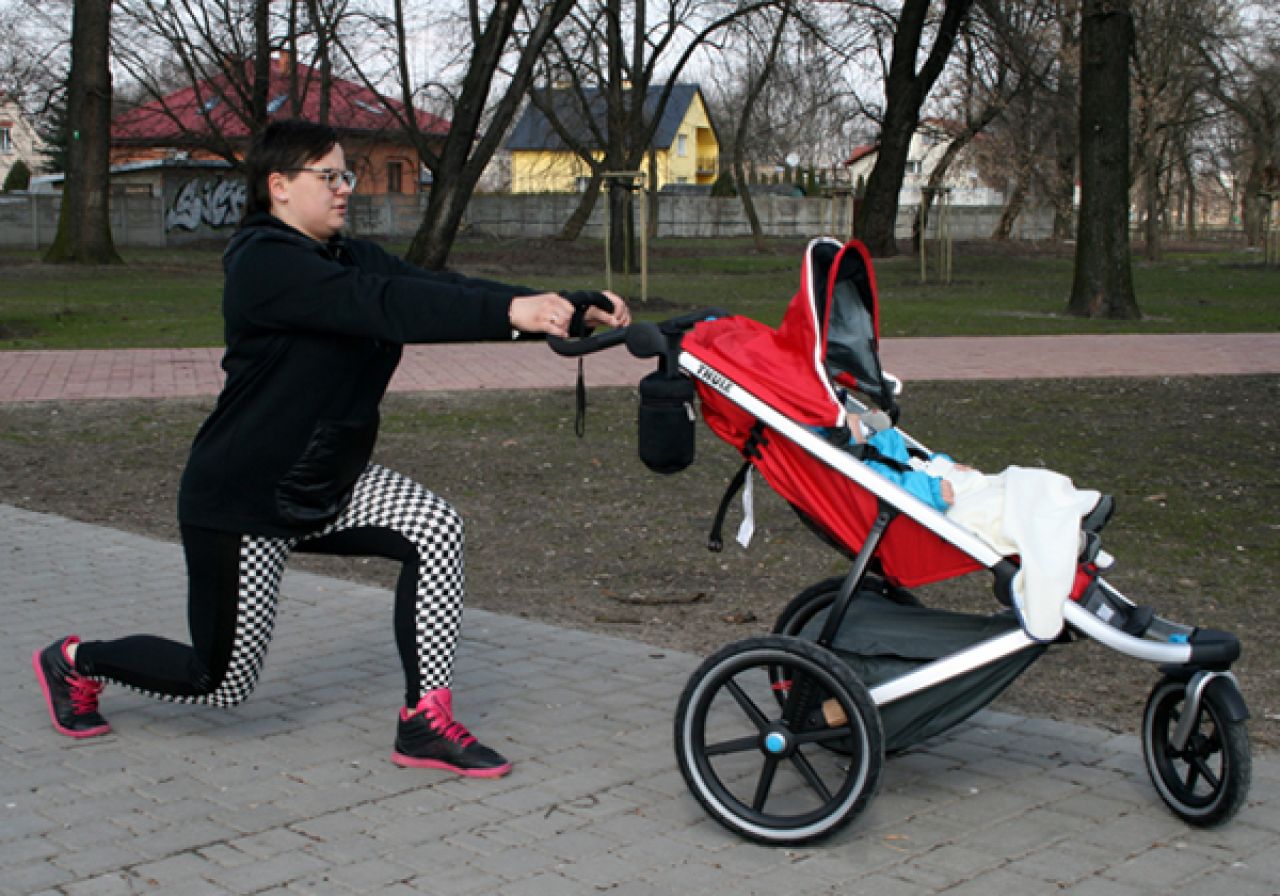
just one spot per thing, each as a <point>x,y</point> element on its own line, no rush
<point>215,104</point>
<point>861,153</point>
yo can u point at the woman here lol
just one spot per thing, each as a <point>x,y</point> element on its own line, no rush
<point>315,325</point>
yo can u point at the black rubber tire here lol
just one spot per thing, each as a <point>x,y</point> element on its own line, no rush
<point>820,595</point>
<point>805,605</point>
<point>1206,783</point>
<point>760,768</point>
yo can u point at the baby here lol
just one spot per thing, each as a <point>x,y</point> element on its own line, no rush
<point>1034,513</point>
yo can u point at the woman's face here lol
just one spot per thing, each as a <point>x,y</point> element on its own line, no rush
<point>303,199</point>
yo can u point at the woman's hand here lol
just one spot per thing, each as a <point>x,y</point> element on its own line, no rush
<point>546,312</point>
<point>551,313</point>
<point>620,317</point>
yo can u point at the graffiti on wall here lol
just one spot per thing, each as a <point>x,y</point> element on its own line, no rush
<point>214,202</point>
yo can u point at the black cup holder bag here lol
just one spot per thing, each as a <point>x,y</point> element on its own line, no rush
<point>667,422</point>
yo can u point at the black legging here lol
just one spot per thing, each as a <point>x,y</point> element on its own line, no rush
<point>234,584</point>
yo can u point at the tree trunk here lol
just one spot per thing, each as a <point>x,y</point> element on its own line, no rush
<point>1151,201</point>
<point>1065,119</point>
<point>1252,212</point>
<point>621,227</point>
<point>878,215</point>
<point>1012,208</point>
<point>1103,281</point>
<point>1189,173</point>
<point>586,204</point>
<point>84,223</point>
<point>748,205</point>
<point>446,207</point>
<point>261,65</point>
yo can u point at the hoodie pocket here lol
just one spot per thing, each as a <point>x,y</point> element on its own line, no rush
<point>313,490</point>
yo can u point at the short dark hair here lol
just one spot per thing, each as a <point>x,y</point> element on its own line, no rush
<point>282,145</point>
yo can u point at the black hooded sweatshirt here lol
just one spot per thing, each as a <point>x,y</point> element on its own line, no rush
<point>314,332</point>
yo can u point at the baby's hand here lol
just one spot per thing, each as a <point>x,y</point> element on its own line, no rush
<point>948,492</point>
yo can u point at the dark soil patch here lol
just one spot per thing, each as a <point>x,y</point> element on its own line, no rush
<point>576,532</point>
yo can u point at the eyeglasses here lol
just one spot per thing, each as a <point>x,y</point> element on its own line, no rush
<point>333,178</point>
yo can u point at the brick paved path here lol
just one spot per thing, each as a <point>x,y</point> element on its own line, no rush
<point>162,373</point>
<point>293,792</point>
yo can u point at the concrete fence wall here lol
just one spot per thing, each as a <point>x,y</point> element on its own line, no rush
<point>31,220</point>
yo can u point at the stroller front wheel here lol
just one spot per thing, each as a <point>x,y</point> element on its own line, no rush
<point>764,767</point>
<point>1206,780</point>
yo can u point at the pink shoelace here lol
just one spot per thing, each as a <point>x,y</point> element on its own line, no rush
<point>437,706</point>
<point>84,694</point>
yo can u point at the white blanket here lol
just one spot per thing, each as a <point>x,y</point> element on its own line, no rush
<point>1035,514</point>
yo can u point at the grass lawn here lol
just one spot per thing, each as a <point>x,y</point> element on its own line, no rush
<point>170,298</point>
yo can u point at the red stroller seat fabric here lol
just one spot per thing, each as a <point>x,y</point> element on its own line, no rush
<point>830,332</point>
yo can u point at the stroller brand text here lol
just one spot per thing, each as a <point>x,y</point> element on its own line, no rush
<point>717,381</point>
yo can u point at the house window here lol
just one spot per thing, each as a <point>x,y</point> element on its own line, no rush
<point>394,178</point>
<point>682,145</point>
<point>6,138</point>
<point>913,167</point>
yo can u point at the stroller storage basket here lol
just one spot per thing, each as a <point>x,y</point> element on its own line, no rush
<point>880,640</point>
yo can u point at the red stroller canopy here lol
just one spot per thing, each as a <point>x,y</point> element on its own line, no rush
<point>829,335</point>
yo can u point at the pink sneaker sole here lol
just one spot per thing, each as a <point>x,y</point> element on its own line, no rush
<point>48,702</point>
<point>410,762</point>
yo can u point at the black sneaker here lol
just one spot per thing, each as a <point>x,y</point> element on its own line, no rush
<point>72,699</point>
<point>429,737</point>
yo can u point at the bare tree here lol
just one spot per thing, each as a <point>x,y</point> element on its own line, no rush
<point>788,88</point>
<point>213,58</point>
<point>84,224</point>
<point>610,56</point>
<point>1003,57</point>
<point>1103,280</point>
<point>33,54</point>
<point>905,90</point>
<point>1169,82</point>
<point>757,65</point>
<point>1245,79</point>
<point>502,43</point>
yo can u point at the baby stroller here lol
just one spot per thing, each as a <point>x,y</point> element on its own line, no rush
<point>782,738</point>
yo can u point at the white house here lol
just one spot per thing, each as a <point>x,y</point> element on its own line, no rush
<point>18,138</point>
<point>928,144</point>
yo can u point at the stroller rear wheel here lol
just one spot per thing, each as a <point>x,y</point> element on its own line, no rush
<point>818,598</point>
<point>1204,782</point>
<point>821,595</point>
<point>758,765</point>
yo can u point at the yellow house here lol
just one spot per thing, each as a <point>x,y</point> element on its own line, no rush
<point>685,145</point>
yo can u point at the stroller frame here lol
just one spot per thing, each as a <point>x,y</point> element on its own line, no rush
<point>782,690</point>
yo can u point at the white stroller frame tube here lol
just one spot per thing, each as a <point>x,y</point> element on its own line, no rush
<point>1075,615</point>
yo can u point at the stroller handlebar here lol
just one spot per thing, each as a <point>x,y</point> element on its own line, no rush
<point>573,348</point>
<point>643,339</point>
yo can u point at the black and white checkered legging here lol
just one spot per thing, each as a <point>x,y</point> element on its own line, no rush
<point>232,613</point>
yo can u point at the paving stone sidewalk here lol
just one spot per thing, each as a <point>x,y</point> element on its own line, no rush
<point>293,793</point>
